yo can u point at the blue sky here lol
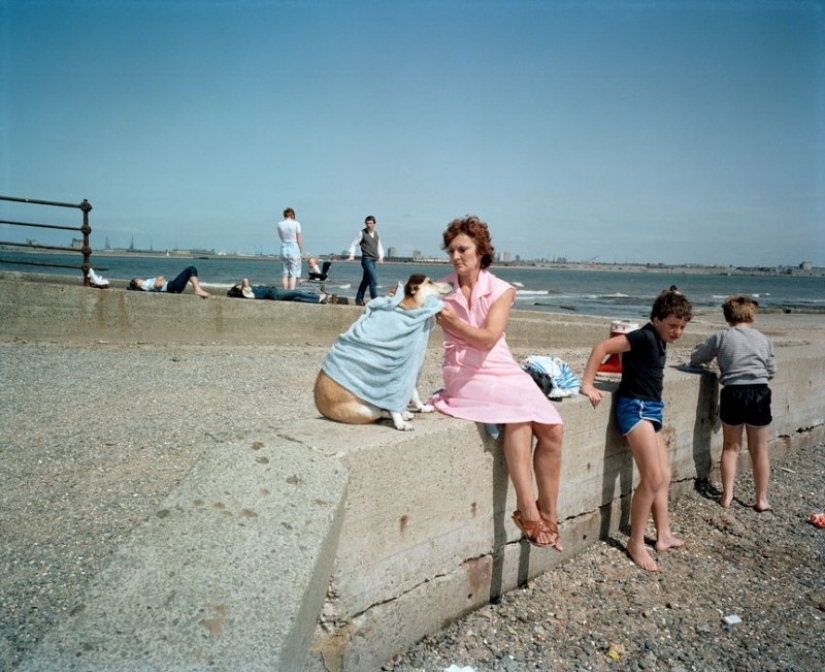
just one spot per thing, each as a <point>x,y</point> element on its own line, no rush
<point>671,132</point>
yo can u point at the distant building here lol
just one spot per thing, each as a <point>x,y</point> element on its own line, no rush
<point>417,254</point>
<point>806,266</point>
<point>392,252</point>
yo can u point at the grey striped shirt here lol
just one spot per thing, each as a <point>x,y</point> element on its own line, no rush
<point>745,356</point>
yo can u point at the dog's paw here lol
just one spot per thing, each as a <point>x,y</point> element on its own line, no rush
<point>405,427</point>
<point>406,415</point>
<point>426,408</point>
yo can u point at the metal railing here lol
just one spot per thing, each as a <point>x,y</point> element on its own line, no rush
<point>86,250</point>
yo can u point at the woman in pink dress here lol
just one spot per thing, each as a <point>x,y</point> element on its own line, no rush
<point>483,383</point>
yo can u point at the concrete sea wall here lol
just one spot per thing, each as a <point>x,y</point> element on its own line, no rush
<point>402,531</point>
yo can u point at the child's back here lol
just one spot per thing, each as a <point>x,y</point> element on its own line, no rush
<point>744,355</point>
<point>746,363</point>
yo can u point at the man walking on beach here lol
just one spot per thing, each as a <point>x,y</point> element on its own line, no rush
<point>371,251</point>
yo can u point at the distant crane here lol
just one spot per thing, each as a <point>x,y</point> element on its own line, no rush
<point>587,261</point>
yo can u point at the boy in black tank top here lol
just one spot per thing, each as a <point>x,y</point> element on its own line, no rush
<point>639,415</point>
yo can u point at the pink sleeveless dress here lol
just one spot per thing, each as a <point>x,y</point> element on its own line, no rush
<point>488,387</point>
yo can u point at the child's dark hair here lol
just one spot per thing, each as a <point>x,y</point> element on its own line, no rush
<point>739,309</point>
<point>672,302</point>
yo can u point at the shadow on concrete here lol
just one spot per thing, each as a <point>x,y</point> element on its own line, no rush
<point>706,420</point>
<point>617,474</point>
<point>501,480</point>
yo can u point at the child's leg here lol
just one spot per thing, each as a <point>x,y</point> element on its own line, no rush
<point>644,445</point>
<point>760,464</point>
<point>731,445</point>
<point>661,516</point>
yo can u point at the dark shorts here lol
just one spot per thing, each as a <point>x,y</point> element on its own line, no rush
<point>745,405</point>
<point>630,412</point>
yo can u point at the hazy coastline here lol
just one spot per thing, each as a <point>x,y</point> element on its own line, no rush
<point>608,267</point>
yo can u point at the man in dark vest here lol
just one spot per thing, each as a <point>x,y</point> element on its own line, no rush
<point>371,252</point>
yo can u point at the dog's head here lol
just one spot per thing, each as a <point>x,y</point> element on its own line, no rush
<point>419,288</point>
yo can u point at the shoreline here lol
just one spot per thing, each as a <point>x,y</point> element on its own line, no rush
<point>592,267</point>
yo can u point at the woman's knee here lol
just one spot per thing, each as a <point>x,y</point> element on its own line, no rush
<point>551,434</point>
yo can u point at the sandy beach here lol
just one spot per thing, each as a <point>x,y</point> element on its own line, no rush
<point>93,435</point>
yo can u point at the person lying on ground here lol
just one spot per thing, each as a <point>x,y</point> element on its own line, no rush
<point>243,290</point>
<point>160,284</point>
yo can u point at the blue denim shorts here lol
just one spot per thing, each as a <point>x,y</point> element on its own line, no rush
<point>630,412</point>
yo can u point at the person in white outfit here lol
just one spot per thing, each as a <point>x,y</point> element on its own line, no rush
<point>292,243</point>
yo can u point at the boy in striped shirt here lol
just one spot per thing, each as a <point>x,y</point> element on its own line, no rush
<point>746,363</point>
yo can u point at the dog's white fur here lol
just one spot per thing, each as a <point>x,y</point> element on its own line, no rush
<point>338,403</point>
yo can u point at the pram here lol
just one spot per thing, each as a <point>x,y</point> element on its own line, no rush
<point>315,281</point>
<point>324,272</point>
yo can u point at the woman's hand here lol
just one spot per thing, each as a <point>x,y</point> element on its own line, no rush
<point>446,317</point>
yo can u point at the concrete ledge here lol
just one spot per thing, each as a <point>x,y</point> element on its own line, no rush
<point>221,577</point>
<point>58,312</point>
<point>428,534</point>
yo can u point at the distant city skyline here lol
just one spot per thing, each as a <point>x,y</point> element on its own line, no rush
<point>627,132</point>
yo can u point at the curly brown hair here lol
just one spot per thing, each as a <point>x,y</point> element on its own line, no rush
<point>672,302</point>
<point>472,227</point>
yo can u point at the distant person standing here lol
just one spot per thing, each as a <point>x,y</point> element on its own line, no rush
<point>289,230</point>
<point>371,252</point>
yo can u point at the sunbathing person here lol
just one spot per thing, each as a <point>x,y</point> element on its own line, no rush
<point>243,290</point>
<point>189,275</point>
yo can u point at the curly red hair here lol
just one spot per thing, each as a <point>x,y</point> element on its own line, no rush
<point>472,227</point>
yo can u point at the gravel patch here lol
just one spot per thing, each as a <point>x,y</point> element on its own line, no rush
<point>601,612</point>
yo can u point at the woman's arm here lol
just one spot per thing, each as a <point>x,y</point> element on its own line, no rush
<point>486,336</point>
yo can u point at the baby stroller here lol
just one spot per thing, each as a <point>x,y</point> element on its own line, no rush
<point>324,274</point>
<point>315,279</point>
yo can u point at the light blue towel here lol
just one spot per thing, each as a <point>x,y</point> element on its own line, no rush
<point>380,356</point>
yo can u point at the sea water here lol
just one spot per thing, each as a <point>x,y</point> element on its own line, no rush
<point>617,295</point>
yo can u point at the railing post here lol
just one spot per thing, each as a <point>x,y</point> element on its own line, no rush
<point>86,207</point>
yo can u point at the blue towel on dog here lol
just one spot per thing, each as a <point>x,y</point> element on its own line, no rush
<point>380,356</point>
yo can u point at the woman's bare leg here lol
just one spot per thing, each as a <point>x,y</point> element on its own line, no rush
<point>547,467</point>
<point>518,448</point>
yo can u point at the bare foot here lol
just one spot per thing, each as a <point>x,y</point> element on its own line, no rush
<point>638,554</point>
<point>761,507</point>
<point>725,502</point>
<point>664,543</point>
<point>203,294</point>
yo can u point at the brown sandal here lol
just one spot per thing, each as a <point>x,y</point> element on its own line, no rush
<point>552,527</point>
<point>531,529</point>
